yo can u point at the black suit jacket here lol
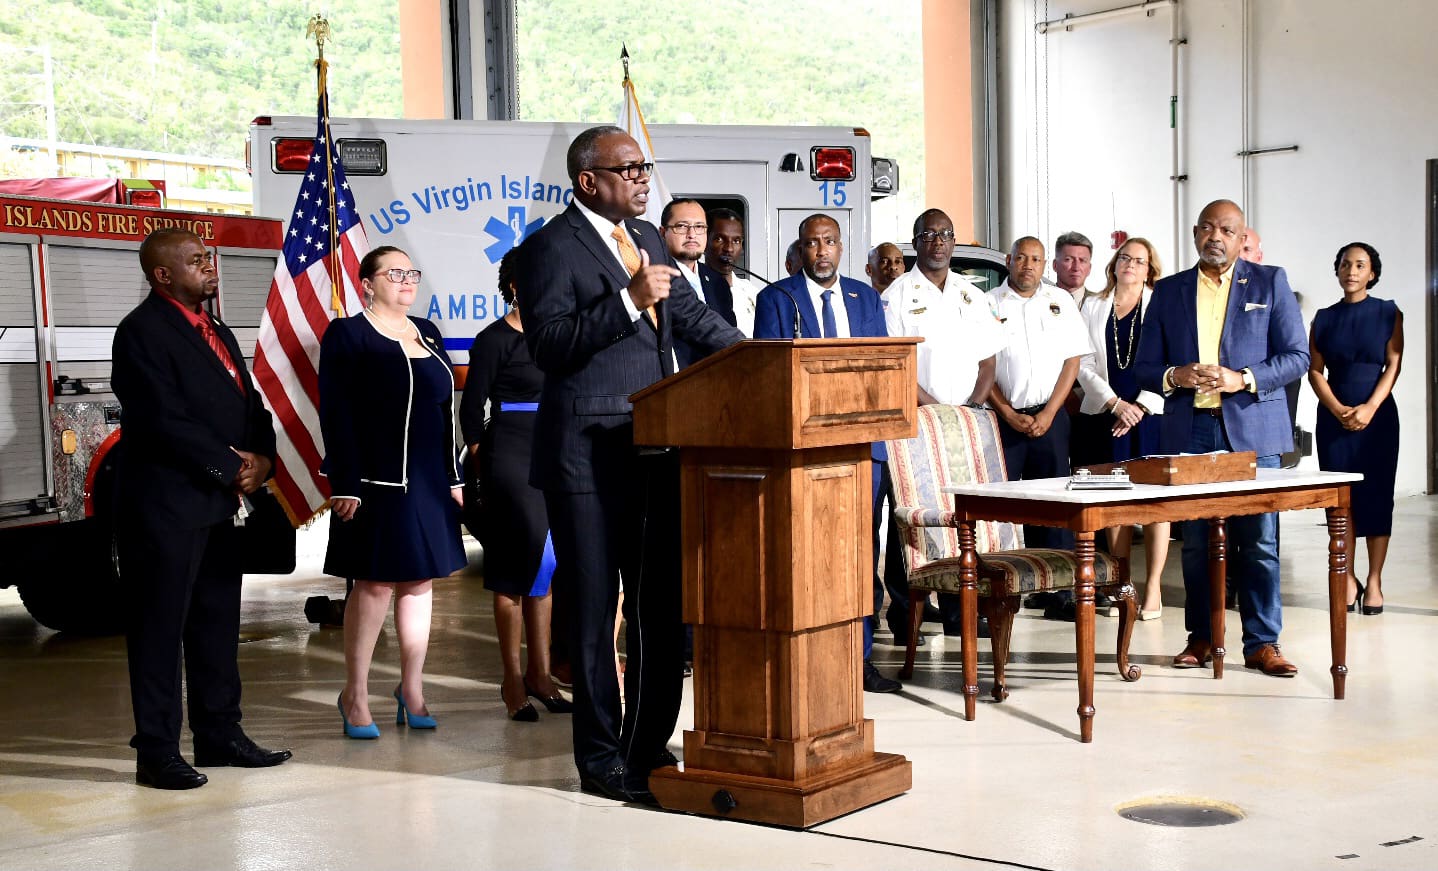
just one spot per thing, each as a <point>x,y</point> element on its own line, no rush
<point>181,412</point>
<point>718,297</point>
<point>593,356</point>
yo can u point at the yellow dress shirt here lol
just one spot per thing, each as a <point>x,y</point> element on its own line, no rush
<point>1212,309</point>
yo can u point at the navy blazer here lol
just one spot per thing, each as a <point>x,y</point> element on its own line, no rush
<point>365,392</point>
<point>592,354</point>
<point>774,316</point>
<point>1262,331</point>
<point>774,311</point>
<point>181,412</point>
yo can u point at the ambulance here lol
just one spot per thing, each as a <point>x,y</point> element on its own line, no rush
<point>69,272</point>
<point>456,195</point>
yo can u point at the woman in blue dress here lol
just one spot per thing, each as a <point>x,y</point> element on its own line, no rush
<point>511,522</point>
<point>1359,341</point>
<point>387,416</point>
<point>1114,318</point>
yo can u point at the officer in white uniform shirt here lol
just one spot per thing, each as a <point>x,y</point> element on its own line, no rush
<point>722,254</point>
<point>961,335</point>
<point>1036,369</point>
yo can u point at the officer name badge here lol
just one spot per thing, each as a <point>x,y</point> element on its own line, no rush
<point>1054,309</point>
<point>918,311</point>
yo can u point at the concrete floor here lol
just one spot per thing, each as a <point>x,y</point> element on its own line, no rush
<point>1321,784</point>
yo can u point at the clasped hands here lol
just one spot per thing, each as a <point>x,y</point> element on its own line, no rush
<point>1031,425</point>
<point>651,283</point>
<point>1207,378</point>
<point>1128,415</point>
<point>254,471</point>
<point>1355,417</point>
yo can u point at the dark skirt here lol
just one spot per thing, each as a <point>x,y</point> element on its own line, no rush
<point>513,524</point>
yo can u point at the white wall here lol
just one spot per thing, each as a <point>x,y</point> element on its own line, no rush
<point>1085,144</point>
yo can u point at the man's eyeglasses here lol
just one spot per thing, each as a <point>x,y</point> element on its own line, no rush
<point>930,235</point>
<point>685,229</point>
<point>630,171</point>
<point>1124,259</point>
<point>403,276</point>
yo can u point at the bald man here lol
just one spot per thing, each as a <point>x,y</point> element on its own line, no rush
<point>195,438</point>
<point>886,263</point>
<point>1221,341</point>
<point>1252,247</point>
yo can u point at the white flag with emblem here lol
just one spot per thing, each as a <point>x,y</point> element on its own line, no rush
<point>632,120</point>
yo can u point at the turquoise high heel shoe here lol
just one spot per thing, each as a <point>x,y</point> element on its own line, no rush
<point>403,716</point>
<point>368,732</point>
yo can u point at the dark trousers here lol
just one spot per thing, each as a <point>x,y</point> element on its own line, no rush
<point>184,604</point>
<point>896,576</point>
<point>630,532</point>
<point>1044,457</point>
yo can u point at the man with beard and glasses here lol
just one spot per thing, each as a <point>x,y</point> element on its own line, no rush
<point>830,306</point>
<point>1221,341</point>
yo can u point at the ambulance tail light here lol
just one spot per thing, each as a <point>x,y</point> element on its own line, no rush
<point>832,163</point>
<point>291,155</point>
<point>152,198</point>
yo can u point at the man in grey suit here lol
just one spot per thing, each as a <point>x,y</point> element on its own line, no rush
<point>602,304</point>
<point>1220,342</point>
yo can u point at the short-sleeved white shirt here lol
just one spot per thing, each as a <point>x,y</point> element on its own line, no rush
<point>1042,332</point>
<point>958,328</point>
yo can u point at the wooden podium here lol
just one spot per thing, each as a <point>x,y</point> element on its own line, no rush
<point>778,573</point>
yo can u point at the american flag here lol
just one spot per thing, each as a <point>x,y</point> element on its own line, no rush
<point>311,287</point>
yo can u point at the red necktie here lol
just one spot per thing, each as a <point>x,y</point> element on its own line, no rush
<point>212,338</point>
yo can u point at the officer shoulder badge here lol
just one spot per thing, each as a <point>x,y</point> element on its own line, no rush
<point>964,295</point>
<point>1054,309</point>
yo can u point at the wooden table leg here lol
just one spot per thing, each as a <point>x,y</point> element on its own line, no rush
<point>1338,558</point>
<point>1217,588</point>
<point>969,602</point>
<point>1083,631</point>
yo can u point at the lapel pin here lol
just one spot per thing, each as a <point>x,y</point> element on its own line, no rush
<point>854,296</point>
<point>1054,309</point>
<point>964,295</point>
<point>1243,281</point>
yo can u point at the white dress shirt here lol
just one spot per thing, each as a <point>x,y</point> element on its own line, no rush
<point>958,328</point>
<point>1042,333</point>
<point>605,227</point>
<point>690,271</point>
<point>836,300</point>
<point>746,295</point>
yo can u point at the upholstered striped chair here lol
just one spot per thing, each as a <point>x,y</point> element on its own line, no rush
<point>960,445</point>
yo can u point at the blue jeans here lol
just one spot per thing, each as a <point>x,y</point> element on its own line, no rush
<point>1252,557</point>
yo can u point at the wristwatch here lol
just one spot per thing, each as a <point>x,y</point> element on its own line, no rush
<point>1249,383</point>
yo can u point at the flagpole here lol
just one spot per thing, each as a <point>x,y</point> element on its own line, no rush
<point>319,28</point>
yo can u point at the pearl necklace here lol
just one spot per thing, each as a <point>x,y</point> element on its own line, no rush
<point>1132,333</point>
<point>399,334</point>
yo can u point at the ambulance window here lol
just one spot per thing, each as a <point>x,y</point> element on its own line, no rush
<point>735,204</point>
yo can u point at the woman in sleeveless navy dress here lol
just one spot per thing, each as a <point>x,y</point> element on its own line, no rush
<point>387,418</point>
<point>1359,341</point>
<point>511,523</point>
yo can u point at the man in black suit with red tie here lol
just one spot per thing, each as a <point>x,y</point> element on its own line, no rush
<point>194,437</point>
<point>603,304</point>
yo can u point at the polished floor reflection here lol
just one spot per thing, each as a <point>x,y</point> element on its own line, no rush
<point>1320,783</point>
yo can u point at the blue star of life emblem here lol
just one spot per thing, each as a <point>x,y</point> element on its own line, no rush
<point>509,234</point>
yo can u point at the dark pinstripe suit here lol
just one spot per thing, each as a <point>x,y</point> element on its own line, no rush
<point>611,511</point>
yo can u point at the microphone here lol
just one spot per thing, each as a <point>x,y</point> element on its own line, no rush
<point>798,326</point>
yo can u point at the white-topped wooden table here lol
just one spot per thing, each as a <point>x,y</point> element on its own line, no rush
<point>1048,502</point>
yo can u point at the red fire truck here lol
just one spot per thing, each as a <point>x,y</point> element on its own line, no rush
<point>69,271</point>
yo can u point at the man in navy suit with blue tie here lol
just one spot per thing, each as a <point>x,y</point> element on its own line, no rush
<point>824,304</point>
<point>1221,342</point>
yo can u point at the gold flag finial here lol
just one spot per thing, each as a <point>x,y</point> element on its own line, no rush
<point>319,28</point>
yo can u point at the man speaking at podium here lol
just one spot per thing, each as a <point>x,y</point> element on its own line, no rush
<point>818,303</point>
<point>602,303</point>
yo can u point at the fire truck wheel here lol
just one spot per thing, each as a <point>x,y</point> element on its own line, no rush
<point>86,600</point>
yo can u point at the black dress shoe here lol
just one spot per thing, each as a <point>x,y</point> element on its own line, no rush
<point>901,636</point>
<point>955,629</point>
<point>616,783</point>
<point>170,771</point>
<point>663,759</point>
<point>877,683</point>
<point>238,752</point>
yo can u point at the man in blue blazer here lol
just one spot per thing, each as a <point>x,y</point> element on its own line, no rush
<point>820,303</point>
<point>1221,341</point>
<point>602,305</point>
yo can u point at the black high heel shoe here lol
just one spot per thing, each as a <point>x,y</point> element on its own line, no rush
<point>1358,602</point>
<point>555,704</point>
<point>1368,610</point>
<point>526,714</point>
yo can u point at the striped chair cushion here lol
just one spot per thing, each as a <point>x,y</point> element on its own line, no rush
<point>1018,572</point>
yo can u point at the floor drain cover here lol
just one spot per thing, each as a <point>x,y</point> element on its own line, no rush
<point>1181,812</point>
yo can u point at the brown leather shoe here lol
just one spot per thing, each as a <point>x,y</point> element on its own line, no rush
<point>1195,655</point>
<point>1268,660</point>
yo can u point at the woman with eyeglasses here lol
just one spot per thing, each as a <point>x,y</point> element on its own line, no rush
<point>1114,317</point>
<point>1359,342</point>
<point>509,518</point>
<point>387,417</point>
